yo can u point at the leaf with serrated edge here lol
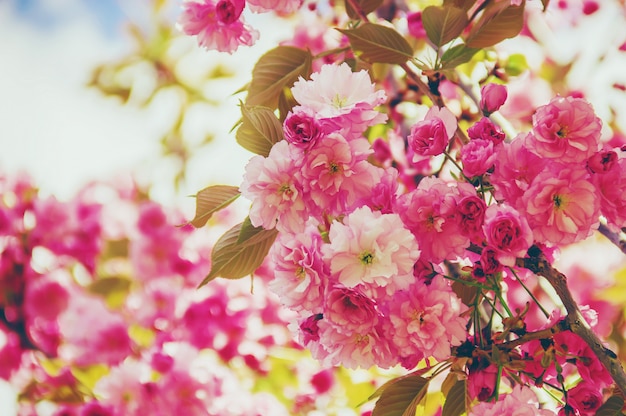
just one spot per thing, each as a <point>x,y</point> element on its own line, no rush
<point>404,393</point>
<point>212,199</point>
<point>378,43</point>
<point>496,24</point>
<point>612,407</point>
<point>260,129</point>
<point>367,6</point>
<point>234,261</point>
<point>455,400</point>
<point>277,69</point>
<point>442,24</point>
<point>457,55</point>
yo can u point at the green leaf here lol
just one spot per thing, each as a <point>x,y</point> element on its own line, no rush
<point>457,55</point>
<point>442,24</point>
<point>401,396</point>
<point>248,232</point>
<point>367,6</point>
<point>499,21</point>
<point>376,43</point>
<point>233,260</point>
<point>212,199</point>
<point>612,407</point>
<point>259,130</point>
<point>277,69</point>
<point>455,400</point>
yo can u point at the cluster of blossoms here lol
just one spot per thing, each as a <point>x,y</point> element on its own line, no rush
<point>100,314</point>
<point>366,238</point>
<point>220,25</point>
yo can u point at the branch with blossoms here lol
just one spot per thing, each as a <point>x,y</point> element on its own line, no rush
<point>403,227</point>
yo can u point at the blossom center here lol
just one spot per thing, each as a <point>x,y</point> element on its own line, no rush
<point>366,258</point>
<point>361,339</point>
<point>558,201</point>
<point>338,101</point>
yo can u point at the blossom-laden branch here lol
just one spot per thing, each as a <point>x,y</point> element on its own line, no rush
<point>539,265</point>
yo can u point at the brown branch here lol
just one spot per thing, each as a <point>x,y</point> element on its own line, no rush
<point>613,237</point>
<point>577,324</point>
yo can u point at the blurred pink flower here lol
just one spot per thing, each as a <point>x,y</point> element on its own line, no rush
<point>612,191</point>
<point>282,7</point>
<point>219,26</point>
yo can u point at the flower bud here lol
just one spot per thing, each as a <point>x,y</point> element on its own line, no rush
<point>492,98</point>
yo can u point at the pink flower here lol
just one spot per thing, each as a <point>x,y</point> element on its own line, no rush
<point>354,349</point>
<point>492,96</point>
<point>522,401</point>
<point>585,397</point>
<point>302,129</point>
<point>282,7</point>
<point>341,97</point>
<point>425,320</point>
<point>370,248</point>
<point>566,129</point>
<point>350,311</point>
<point>218,25</point>
<point>273,185</point>
<point>482,380</point>
<point>471,211</point>
<point>300,276</point>
<point>507,232</point>
<point>415,25</point>
<point>430,213</point>
<point>336,174</point>
<point>562,206</point>
<point>486,130</point>
<point>611,188</point>
<point>478,157</point>
<point>515,168</point>
<point>602,161</point>
<point>430,137</point>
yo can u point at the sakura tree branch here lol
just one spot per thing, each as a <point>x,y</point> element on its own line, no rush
<point>539,265</point>
<point>615,238</point>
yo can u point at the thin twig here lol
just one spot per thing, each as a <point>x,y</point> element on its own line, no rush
<point>615,238</point>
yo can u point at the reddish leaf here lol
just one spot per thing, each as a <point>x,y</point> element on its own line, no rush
<point>499,21</point>
<point>442,24</point>
<point>400,396</point>
<point>367,6</point>
<point>260,130</point>
<point>376,43</point>
<point>455,404</point>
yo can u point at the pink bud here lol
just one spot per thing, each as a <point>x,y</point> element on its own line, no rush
<point>492,98</point>
<point>415,25</point>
